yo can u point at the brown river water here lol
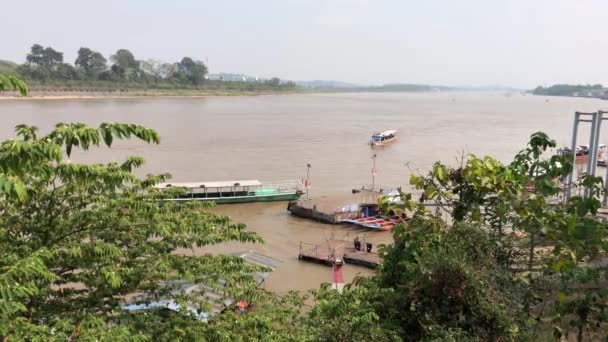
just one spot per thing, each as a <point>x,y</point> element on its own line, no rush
<point>272,138</point>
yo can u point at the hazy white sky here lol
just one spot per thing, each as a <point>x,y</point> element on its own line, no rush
<point>454,42</point>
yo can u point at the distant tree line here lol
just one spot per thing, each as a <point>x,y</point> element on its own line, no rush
<point>566,89</point>
<point>46,66</point>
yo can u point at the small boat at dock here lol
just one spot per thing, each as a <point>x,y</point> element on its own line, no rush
<point>365,214</point>
<point>376,222</point>
<point>383,138</point>
<point>582,152</point>
<point>239,191</point>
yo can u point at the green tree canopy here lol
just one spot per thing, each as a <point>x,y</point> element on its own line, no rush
<point>44,57</point>
<point>193,71</point>
<point>125,66</point>
<point>125,59</point>
<point>92,63</point>
<point>79,241</point>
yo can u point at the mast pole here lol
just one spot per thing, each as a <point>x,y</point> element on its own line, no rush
<point>373,171</point>
<point>307,181</point>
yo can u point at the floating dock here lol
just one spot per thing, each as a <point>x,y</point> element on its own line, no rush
<point>361,209</point>
<point>334,210</point>
<point>326,252</point>
<point>325,215</point>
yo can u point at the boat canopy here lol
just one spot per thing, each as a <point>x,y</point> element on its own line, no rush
<point>386,133</point>
<point>222,184</point>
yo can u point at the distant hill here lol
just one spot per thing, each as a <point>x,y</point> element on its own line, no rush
<point>488,88</point>
<point>325,84</point>
<point>7,67</point>
<point>579,90</point>
<point>405,87</point>
<point>393,87</point>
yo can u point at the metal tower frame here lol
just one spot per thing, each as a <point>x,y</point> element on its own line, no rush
<point>594,139</point>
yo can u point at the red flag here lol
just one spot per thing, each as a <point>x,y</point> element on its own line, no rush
<point>308,184</point>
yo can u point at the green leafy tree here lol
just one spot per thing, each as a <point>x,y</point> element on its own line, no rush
<point>125,59</point>
<point>125,66</point>
<point>152,70</point>
<point>91,62</point>
<point>191,71</point>
<point>273,82</point>
<point>44,57</point>
<point>36,55</point>
<point>78,240</point>
<point>440,281</point>
<point>65,71</point>
<point>349,316</point>
<point>45,63</point>
<point>561,251</point>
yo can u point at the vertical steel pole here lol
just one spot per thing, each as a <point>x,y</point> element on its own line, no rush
<point>373,172</point>
<point>596,140</point>
<point>596,147</point>
<point>591,142</point>
<point>605,199</point>
<point>307,185</point>
<point>591,157</point>
<point>573,150</point>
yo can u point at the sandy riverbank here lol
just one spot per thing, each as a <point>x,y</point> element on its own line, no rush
<point>67,95</point>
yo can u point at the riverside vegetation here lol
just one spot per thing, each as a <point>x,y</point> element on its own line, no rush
<point>78,240</point>
<point>46,72</point>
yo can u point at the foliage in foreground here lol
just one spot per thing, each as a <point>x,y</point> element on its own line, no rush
<point>512,257</point>
<point>78,240</point>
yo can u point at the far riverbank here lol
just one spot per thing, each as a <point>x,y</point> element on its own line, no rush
<point>137,93</point>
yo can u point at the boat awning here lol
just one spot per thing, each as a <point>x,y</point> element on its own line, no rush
<point>222,184</point>
<point>385,133</point>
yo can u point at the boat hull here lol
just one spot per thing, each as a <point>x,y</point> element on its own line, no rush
<point>382,143</point>
<point>375,223</point>
<point>243,199</point>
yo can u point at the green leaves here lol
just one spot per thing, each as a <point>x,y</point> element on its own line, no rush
<point>80,135</point>
<point>12,83</point>
<point>107,238</point>
<point>18,281</point>
<point>538,236</point>
<point>125,131</point>
<point>440,172</point>
<point>12,187</point>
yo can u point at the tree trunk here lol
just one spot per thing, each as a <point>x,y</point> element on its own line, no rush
<point>531,253</point>
<point>530,264</point>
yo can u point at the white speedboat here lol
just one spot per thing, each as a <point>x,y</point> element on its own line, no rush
<point>383,138</point>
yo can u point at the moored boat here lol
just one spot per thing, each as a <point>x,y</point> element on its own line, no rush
<point>383,138</point>
<point>239,191</point>
<point>582,152</point>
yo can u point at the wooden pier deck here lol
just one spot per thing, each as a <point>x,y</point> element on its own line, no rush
<point>326,252</point>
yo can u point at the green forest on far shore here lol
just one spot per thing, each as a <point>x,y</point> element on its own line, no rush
<point>579,90</point>
<point>46,70</point>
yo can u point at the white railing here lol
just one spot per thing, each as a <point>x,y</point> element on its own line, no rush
<point>282,187</point>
